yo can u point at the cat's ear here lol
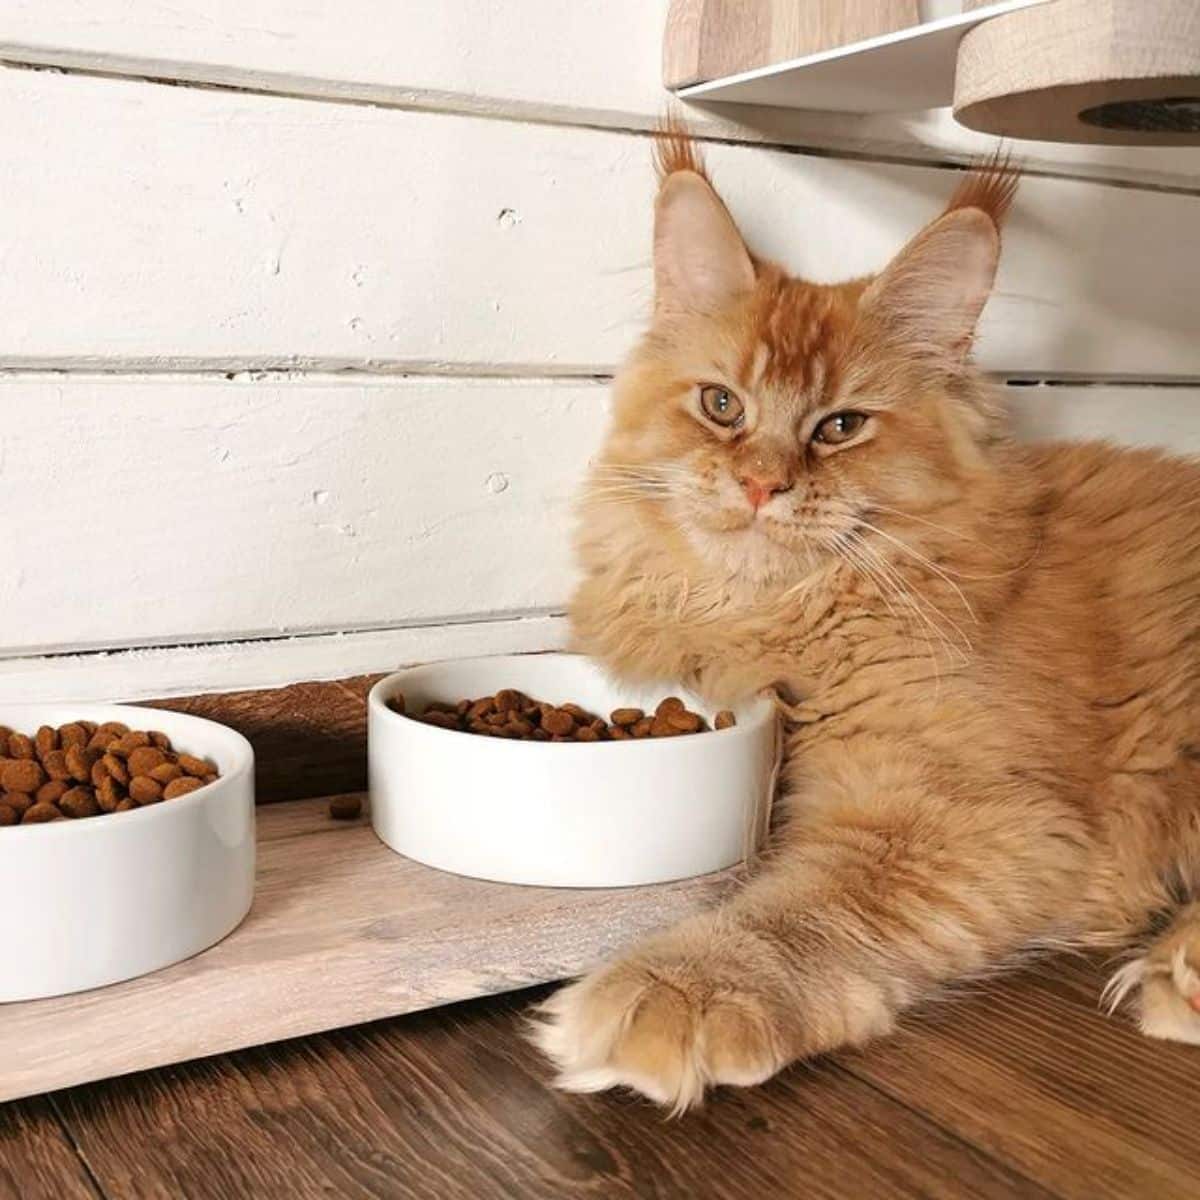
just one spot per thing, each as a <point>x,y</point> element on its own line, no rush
<point>930,296</point>
<point>701,263</point>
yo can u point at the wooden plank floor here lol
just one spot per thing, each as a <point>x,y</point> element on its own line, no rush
<point>1019,1090</point>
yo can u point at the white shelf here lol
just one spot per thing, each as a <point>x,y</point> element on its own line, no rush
<point>903,71</point>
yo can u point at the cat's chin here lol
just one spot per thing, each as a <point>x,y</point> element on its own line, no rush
<point>756,553</point>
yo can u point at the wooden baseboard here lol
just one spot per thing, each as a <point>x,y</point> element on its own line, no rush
<point>342,931</point>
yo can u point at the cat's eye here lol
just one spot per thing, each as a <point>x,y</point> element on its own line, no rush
<point>721,406</point>
<point>839,427</point>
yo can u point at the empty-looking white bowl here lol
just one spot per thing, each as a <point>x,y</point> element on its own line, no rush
<point>598,814</point>
<point>90,902</point>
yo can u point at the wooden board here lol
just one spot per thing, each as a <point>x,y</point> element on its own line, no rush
<point>342,931</point>
<point>339,236</point>
<point>363,51</point>
<point>909,68</point>
<point>705,39</point>
<point>288,508</point>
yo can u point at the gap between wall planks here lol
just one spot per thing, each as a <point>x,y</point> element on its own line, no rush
<point>361,464</point>
<point>342,931</point>
<point>360,51</point>
<point>393,238</point>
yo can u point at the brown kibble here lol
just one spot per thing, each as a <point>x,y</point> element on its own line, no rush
<point>587,734</point>
<point>642,728</point>
<point>683,722</point>
<point>39,814</point>
<point>52,792</point>
<point>72,734</point>
<point>519,728</point>
<point>115,767</point>
<point>55,764</point>
<point>508,699</point>
<point>89,727</point>
<point>181,787</point>
<point>80,763</point>
<point>22,775</point>
<point>109,794</point>
<point>201,768</point>
<point>441,719</point>
<point>134,740</point>
<point>397,704</point>
<point>482,708</point>
<point>724,720</point>
<point>670,704</point>
<point>79,802</point>
<point>661,727</point>
<point>160,740</point>
<point>581,715</point>
<point>626,716</point>
<point>17,801</point>
<point>117,727</point>
<point>166,772</point>
<point>619,734</point>
<point>127,805</point>
<point>5,734</point>
<point>558,723</point>
<point>143,760</point>
<point>45,740</point>
<point>20,746</point>
<point>540,735</point>
<point>8,815</point>
<point>145,790</point>
<point>100,741</point>
<point>345,808</point>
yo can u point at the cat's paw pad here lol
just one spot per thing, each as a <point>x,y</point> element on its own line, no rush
<point>1165,986</point>
<point>623,1027</point>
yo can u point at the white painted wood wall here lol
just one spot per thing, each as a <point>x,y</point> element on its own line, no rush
<point>302,358</point>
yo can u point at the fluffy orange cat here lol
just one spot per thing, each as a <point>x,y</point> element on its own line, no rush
<point>988,654</point>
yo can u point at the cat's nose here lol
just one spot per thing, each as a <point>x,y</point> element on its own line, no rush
<point>760,488</point>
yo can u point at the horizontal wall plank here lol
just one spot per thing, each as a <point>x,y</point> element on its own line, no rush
<point>577,63</point>
<point>159,512</point>
<point>204,227</point>
<point>191,670</point>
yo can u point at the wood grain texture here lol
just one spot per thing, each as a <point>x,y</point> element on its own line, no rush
<point>706,39</point>
<point>358,49</point>
<point>303,507</point>
<point>275,279</point>
<point>1032,73</point>
<point>37,1161</point>
<point>342,931</point>
<point>1076,1100</point>
<point>310,739</point>
<point>455,1106</point>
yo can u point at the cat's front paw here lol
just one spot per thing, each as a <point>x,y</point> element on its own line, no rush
<point>1164,984</point>
<point>668,1033</point>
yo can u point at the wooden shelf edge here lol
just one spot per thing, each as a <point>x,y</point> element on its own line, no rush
<point>908,70</point>
<point>342,931</point>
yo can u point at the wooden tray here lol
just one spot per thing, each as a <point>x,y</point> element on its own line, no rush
<point>342,931</point>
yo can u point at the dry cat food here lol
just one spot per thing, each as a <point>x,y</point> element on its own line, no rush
<point>82,769</point>
<point>512,714</point>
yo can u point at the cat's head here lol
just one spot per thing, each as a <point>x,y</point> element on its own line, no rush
<point>763,419</point>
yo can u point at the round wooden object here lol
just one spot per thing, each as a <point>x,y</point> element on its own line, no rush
<point>1106,71</point>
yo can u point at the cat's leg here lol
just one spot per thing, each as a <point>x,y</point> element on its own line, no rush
<point>866,908</point>
<point>1164,981</point>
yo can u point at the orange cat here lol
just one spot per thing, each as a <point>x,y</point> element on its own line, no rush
<point>989,654</point>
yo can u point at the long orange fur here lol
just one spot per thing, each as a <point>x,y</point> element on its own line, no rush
<point>988,653</point>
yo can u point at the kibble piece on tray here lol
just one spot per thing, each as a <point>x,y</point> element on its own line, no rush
<point>82,769</point>
<point>512,714</point>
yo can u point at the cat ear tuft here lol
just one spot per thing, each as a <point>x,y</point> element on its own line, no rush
<point>701,263</point>
<point>930,296</point>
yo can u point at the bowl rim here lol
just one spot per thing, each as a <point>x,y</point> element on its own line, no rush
<point>152,812</point>
<point>764,712</point>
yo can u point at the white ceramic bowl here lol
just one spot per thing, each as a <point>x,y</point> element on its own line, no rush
<point>91,902</point>
<point>603,814</point>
